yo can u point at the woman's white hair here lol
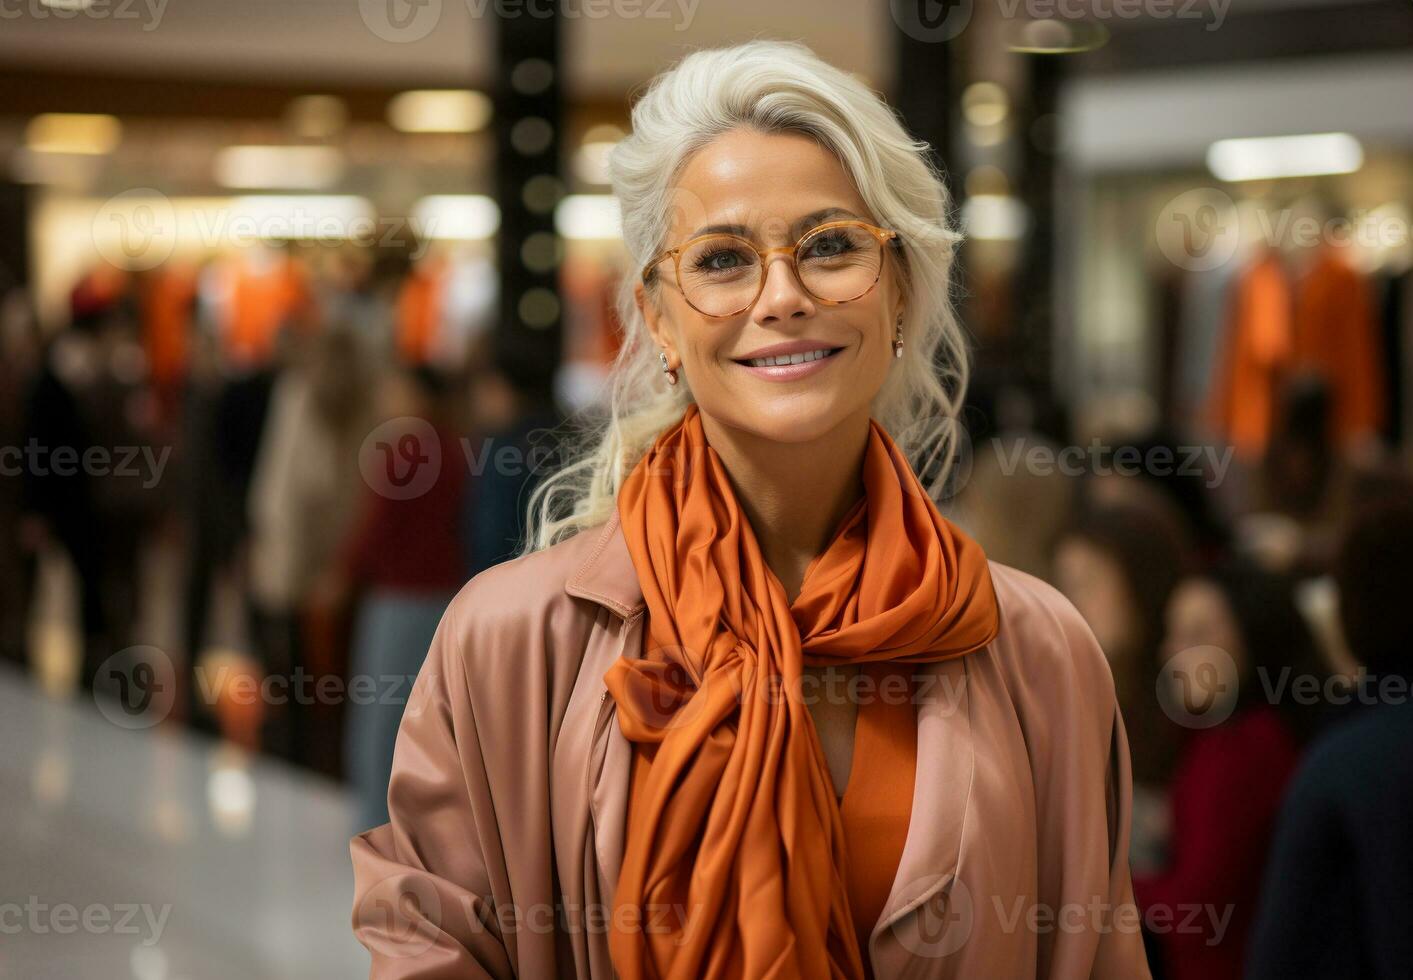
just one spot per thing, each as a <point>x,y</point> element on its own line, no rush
<point>772,87</point>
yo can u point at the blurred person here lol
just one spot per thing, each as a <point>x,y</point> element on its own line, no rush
<point>1187,475</point>
<point>303,495</point>
<point>1119,562</point>
<point>404,559</point>
<point>1235,651</point>
<point>225,419</point>
<point>517,417</point>
<point>20,537</point>
<point>1291,524</point>
<point>1338,887</point>
<point>91,484</point>
<point>1016,512</point>
<point>360,295</point>
<point>596,733</point>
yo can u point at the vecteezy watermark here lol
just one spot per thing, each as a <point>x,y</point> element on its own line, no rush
<point>1101,459</point>
<point>1201,229</point>
<point>40,918</point>
<point>144,463</point>
<point>139,229</point>
<point>948,912</point>
<point>402,458</point>
<point>1365,688</point>
<point>226,684</point>
<point>1099,915</point>
<point>147,14</point>
<point>1105,10</point>
<point>1199,687</point>
<point>402,917</point>
<point>405,21</point>
<point>918,687</point>
<point>935,21</point>
<point>136,687</point>
<point>674,701</point>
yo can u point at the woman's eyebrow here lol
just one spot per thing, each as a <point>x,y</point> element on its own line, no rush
<point>801,224</point>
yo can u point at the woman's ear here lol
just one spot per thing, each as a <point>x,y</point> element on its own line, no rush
<point>652,317</point>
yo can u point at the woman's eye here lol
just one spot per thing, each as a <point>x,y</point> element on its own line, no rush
<point>719,261</point>
<point>827,246</point>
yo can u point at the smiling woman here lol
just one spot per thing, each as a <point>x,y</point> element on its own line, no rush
<point>617,761</point>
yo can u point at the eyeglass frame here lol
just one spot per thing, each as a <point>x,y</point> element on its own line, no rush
<point>884,236</point>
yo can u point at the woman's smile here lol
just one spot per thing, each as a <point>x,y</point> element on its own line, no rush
<point>790,365</point>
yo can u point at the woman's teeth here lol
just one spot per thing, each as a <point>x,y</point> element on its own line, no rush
<point>800,358</point>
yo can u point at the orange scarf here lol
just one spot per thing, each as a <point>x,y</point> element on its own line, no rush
<point>734,861</point>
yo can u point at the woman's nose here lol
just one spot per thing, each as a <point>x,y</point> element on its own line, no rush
<point>783,296</point>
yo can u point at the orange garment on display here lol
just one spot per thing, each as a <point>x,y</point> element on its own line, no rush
<point>1334,334</point>
<point>1321,323</point>
<point>168,304</point>
<point>419,310</point>
<point>263,299</point>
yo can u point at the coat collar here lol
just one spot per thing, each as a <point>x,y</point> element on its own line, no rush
<point>607,576</point>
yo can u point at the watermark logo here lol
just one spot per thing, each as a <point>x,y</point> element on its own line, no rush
<point>1199,230</point>
<point>932,21</point>
<point>401,916</point>
<point>1202,229</point>
<point>1100,459</point>
<point>400,21</point>
<point>148,13</point>
<point>136,229</point>
<point>136,687</point>
<point>40,918</point>
<point>142,463</point>
<point>941,923</point>
<point>402,458</point>
<point>1197,687</point>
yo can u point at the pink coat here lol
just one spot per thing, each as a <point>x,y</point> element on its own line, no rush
<point>510,783</point>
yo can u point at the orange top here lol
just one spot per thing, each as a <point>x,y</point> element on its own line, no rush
<point>878,801</point>
<point>877,804</point>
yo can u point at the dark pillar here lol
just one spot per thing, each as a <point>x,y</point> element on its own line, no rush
<point>529,182</point>
<point>1035,285</point>
<point>14,236</point>
<point>924,93</point>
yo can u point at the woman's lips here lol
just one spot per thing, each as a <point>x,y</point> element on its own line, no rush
<point>791,372</point>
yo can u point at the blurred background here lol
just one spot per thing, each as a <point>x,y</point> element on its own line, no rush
<point>297,297</point>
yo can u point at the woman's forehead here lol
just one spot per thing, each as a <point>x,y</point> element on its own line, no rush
<point>762,183</point>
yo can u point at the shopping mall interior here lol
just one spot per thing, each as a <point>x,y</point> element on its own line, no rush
<point>246,247</point>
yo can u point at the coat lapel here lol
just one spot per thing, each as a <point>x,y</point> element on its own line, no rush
<point>932,850</point>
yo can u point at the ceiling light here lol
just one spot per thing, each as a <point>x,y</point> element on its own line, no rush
<point>439,111</point>
<point>292,167</point>
<point>1263,158</point>
<point>73,132</point>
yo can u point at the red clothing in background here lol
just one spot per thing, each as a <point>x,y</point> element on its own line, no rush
<point>412,545</point>
<point>1224,798</point>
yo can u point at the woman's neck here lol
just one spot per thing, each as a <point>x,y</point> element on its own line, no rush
<point>794,494</point>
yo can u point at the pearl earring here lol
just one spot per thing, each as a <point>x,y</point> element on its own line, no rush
<point>898,340</point>
<point>671,374</point>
